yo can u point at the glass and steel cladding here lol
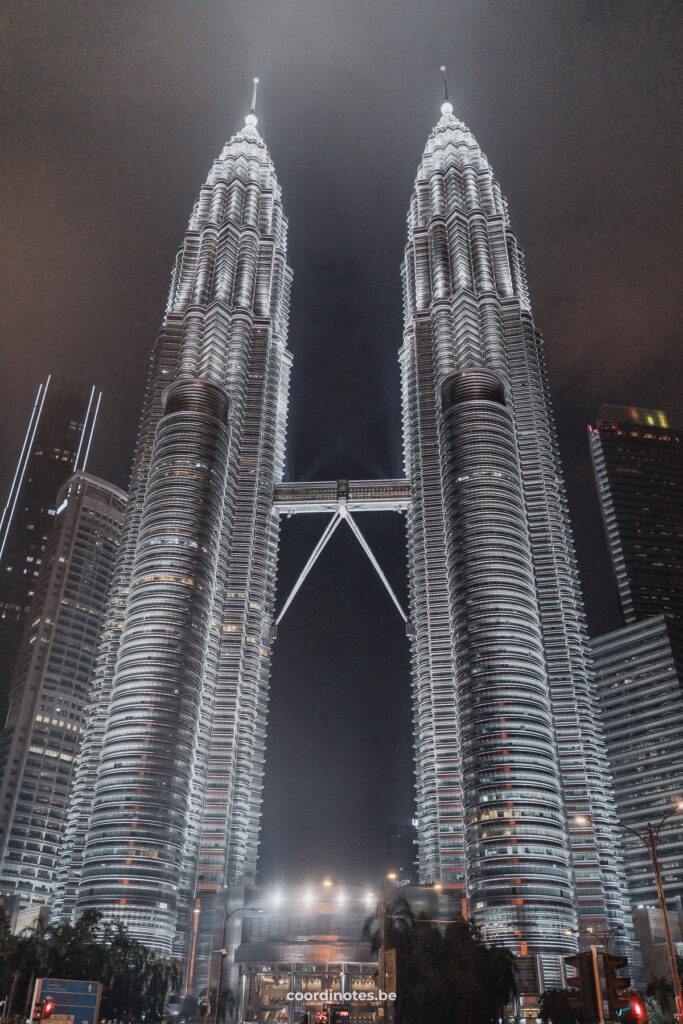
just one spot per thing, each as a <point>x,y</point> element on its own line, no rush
<point>145,775</point>
<point>639,674</point>
<point>466,308</point>
<point>40,739</point>
<point>638,462</point>
<point>224,329</point>
<point>511,791</point>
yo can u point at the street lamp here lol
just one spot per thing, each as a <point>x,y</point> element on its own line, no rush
<point>224,952</point>
<point>649,837</point>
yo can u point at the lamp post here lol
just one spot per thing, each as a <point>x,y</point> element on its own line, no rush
<point>224,952</point>
<point>382,954</point>
<point>649,837</point>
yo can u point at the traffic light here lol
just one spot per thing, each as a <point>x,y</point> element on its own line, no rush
<point>37,1013</point>
<point>618,992</point>
<point>48,1007</point>
<point>583,999</point>
<point>340,1015</point>
<point>635,1012</point>
<point>638,1008</point>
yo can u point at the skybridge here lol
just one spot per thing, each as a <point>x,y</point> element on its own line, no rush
<point>340,499</point>
<point>328,495</point>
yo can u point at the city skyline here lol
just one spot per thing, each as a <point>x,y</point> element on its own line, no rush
<point>514,806</point>
<point>315,343</point>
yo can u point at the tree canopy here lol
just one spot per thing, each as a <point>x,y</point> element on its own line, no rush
<point>448,975</point>
<point>135,982</point>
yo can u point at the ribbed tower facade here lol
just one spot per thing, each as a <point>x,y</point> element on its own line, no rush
<point>167,793</point>
<point>509,750</point>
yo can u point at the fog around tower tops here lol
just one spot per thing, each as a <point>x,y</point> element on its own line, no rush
<point>113,112</point>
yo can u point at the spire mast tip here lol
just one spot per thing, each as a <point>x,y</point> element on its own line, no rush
<point>446,107</point>
<point>251,120</point>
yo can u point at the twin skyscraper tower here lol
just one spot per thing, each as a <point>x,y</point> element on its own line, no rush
<point>514,802</point>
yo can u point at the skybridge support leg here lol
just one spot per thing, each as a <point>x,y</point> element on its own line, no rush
<point>341,513</point>
<point>317,550</point>
<point>345,514</point>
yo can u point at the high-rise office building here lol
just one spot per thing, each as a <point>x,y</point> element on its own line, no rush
<point>39,741</point>
<point>167,793</point>
<point>514,801</point>
<point>639,673</point>
<point>401,854</point>
<point>638,462</point>
<point>56,443</point>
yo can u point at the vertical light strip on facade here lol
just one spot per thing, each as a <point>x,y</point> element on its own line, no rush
<point>24,456</point>
<point>92,430</point>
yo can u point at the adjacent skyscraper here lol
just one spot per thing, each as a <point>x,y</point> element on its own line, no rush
<point>638,462</point>
<point>57,442</point>
<point>639,672</point>
<point>41,735</point>
<point>509,748</point>
<point>167,793</point>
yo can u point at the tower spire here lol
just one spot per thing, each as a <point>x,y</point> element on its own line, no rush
<point>446,107</point>
<point>251,119</point>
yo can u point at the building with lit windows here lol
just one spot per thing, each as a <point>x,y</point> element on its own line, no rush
<point>401,854</point>
<point>40,738</point>
<point>638,462</point>
<point>649,926</point>
<point>509,747</point>
<point>639,672</point>
<point>515,812</point>
<point>309,940</point>
<point>56,443</point>
<point>167,793</point>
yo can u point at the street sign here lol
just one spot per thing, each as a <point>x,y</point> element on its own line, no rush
<point>75,1002</point>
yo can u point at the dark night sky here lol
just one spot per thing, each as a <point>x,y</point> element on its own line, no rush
<point>113,112</point>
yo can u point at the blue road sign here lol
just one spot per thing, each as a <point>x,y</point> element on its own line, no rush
<point>75,1002</point>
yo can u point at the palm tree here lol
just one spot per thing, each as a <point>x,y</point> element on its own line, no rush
<point>399,920</point>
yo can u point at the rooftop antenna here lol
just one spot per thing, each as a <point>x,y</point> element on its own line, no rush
<point>251,119</point>
<point>446,107</point>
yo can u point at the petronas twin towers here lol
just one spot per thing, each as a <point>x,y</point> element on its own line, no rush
<point>166,799</point>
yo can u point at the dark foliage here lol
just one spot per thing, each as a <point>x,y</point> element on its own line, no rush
<point>136,983</point>
<point>555,1007</point>
<point>445,976</point>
